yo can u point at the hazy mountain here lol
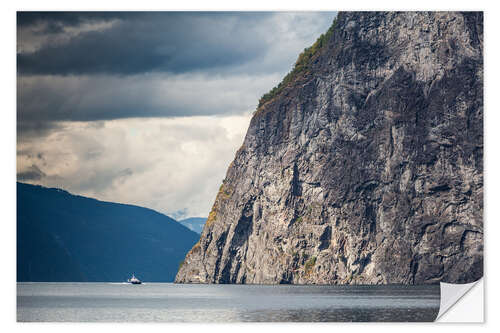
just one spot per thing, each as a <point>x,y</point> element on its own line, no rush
<point>194,223</point>
<point>64,237</point>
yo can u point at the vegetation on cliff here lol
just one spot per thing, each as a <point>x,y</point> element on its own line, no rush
<point>302,65</point>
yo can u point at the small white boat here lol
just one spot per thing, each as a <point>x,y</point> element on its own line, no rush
<point>134,280</point>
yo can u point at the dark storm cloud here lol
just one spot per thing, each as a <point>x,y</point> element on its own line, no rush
<point>45,99</point>
<point>30,174</point>
<point>117,106</point>
<point>172,42</point>
<point>53,22</point>
<point>112,65</point>
<point>27,128</point>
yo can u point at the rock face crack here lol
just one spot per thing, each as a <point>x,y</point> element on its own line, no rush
<point>365,168</point>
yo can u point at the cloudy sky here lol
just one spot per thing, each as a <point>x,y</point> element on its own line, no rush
<point>146,108</point>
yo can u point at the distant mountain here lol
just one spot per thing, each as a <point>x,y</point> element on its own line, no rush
<point>64,237</point>
<point>194,223</point>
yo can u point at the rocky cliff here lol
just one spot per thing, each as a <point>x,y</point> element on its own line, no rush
<point>364,166</point>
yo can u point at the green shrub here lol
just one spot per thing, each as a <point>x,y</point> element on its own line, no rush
<point>224,193</point>
<point>308,266</point>
<point>301,65</point>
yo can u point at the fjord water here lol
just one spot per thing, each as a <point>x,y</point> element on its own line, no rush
<point>168,302</point>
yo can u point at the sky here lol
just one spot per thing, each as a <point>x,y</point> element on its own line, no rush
<point>147,108</point>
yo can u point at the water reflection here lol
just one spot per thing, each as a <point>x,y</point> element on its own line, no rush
<point>158,302</point>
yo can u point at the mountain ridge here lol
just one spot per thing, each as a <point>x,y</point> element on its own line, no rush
<point>194,223</point>
<point>94,240</point>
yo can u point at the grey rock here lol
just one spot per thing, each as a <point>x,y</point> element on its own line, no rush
<point>365,169</point>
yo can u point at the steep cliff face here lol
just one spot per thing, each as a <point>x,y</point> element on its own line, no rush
<point>365,167</point>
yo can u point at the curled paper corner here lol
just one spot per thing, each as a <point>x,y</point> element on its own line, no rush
<point>461,302</point>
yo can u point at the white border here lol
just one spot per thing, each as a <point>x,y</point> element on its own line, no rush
<point>492,122</point>
<point>466,307</point>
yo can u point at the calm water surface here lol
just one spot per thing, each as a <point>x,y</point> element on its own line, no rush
<point>167,302</point>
